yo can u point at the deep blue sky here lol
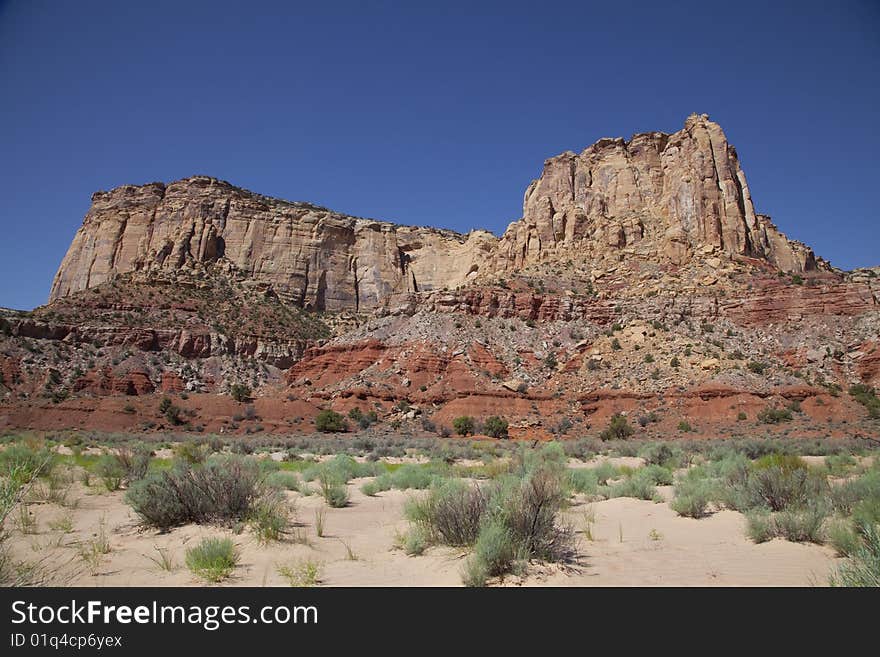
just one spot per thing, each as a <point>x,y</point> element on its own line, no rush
<point>425,115</point>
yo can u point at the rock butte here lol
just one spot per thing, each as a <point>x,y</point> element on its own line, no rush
<point>639,279</point>
<point>658,196</point>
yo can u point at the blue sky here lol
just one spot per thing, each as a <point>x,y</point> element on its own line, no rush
<point>425,113</point>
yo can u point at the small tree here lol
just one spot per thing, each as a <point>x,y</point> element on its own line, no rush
<point>618,428</point>
<point>240,392</point>
<point>495,427</point>
<point>330,422</point>
<point>463,425</point>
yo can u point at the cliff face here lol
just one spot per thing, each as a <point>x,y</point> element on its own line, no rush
<point>661,196</point>
<point>318,258</point>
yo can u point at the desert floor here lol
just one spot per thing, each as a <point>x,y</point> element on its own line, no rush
<point>629,542</point>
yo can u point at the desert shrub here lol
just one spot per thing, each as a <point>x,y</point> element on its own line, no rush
<point>240,392</point>
<point>801,525</point>
<point>842,536</point>
<point>328,421</point>
<point>463,425</point>
<point>303,573</point>
<point>771,415</point>
<point>494,427</point>
<point>370,488</point>
<point>415,542</point>
<point>213,559</point>
<point>618,428</point>
<point>657,474</point>
<point>282,480</point>
<point>684,426</point>
<point>333,492</point>
<point>845,497</point>
<point>759,526</point>
<point>125,465</point>
<point>341,469</point>
<point>242,447</point>
<point>757,367</point>
<point>693,493</point>
<point>495,549</point>
<point>270,517</point>
<point>219,490</point>
<point>583,449</point>
<point>867,397</point>
<point>411,476</point>
<point>191,452</point>
<point>661,454</point>
<point>474,572</point>
<point>839,464</point>
<point>639,487</point>
<point>583,480</point>
<point>862,567</point>
<point>22,462</point>
<point>776,482</point>
<point>450,513</point>
<point>111,472</point>
<point>528,508</point>
<point>605,471</point>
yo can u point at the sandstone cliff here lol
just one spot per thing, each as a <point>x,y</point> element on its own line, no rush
<point>666,198</point>
<point>320,259</point>
<point>660,196</point>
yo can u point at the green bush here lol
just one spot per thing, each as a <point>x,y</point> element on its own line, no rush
<point>213,559</point>
<point>774,415</point>
<point>494,427</point>
<point>662,453</point>
<point>618,429</point>
<point>693,493</point>
<point>415,542</point>
<point>583,480</point>
<point>240,392</point>
<point>801,525</point>
<point>759,526</point>
<point>21,463</point>
<point>463,425</point>
<point>842,536</point>
<point>282,480</point>
<point>867,397</point>
<point>219,490</point>
<point>191,452</point>
<point>845,497</point>
<point>605,471</point>
<point>495,549</point>
<point>757,367</point>
<point>123,466</point>
<point>639,487</point>
<point>110,471</point>
<point>270,517</point>
<point>329,421</point>
<point>450,513</point>
<point>334,492</point>
<point>342,468</point>
<point>862,568</point>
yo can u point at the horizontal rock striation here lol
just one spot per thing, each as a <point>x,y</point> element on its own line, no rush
<point>318,258</point>
<point>667,198</point>
<point>661,196</point>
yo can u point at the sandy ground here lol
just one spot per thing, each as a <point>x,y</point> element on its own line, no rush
<point>629,543</point>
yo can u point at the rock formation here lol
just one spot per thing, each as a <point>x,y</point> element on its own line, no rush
<point>321,259</point>
<point>664,197</point>
<point>661,196</point>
